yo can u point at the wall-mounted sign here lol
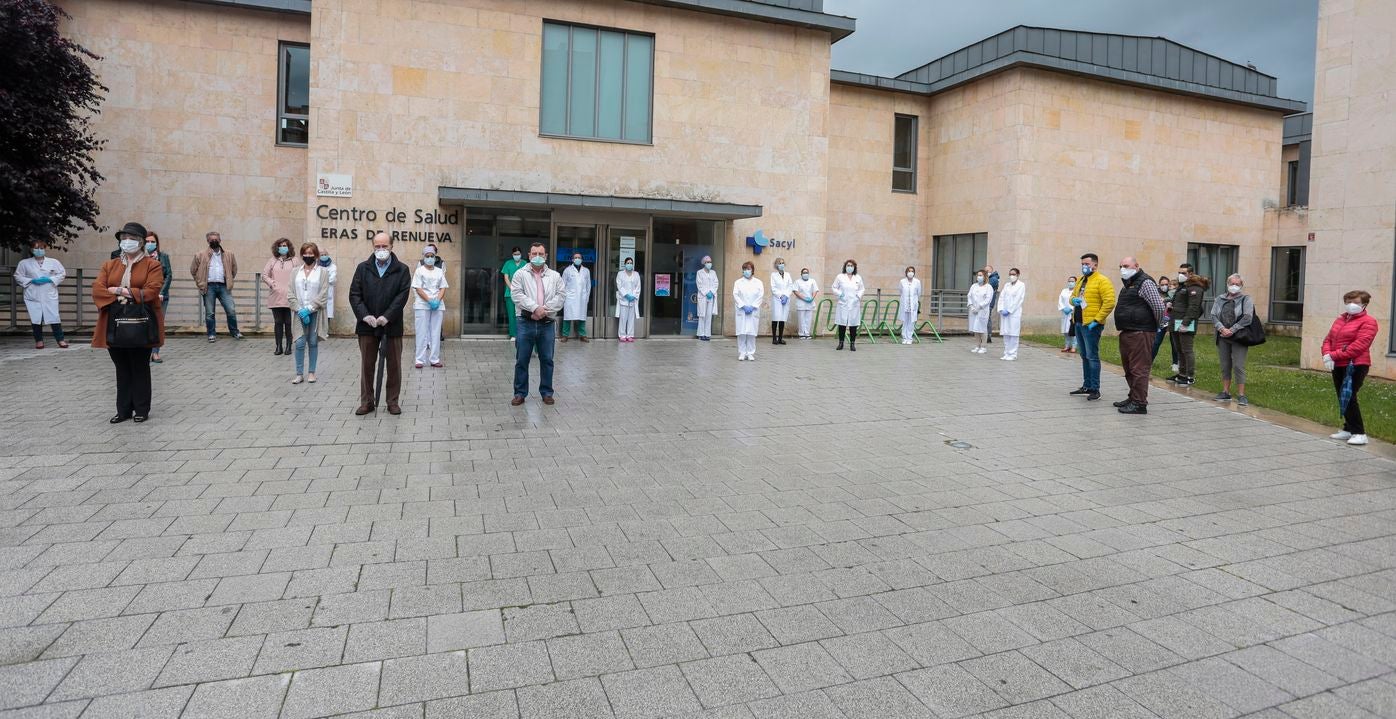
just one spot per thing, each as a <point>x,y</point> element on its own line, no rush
<point>627,249</point>
<point>1311,237</point>
<point>331,185</point>
<point>760,241</point>
<point>661,285</point>
<point>428,224</point>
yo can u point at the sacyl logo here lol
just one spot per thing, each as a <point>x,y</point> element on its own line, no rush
<point>760,241</point>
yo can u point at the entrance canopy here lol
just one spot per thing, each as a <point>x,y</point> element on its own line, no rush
<point>564,201</point>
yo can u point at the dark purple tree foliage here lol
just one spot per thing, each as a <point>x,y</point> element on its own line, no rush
<point>48,96</point>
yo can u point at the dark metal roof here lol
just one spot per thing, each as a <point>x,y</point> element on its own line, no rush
<point>568,201</point>
<point>1299,127</point>
<point>1152,62</point>
<point>801,13</point>
<point>296,7</point>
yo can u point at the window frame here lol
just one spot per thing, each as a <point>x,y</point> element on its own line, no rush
<point>1292,183</point>
<point>953,238</point>
<point>624,86</point>
<point>1275,253</point>
<point>1194,258</point>
<point>281,89</point>
<point>915,148</point>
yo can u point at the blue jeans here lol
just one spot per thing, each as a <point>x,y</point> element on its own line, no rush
<point>219,293</point>
<point>309,336</point>
<point>1088,345</point>
<point>533,333</point>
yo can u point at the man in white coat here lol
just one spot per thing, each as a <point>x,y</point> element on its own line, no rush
<point>1011,297</point>
<point>707,284</point>
<point>782,284</point>
<point>576,286</point>
<point>40,276</point>
<point>628,291</point>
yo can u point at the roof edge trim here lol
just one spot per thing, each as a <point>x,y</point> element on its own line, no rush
<point>571,201</point>
<point>290,7</point>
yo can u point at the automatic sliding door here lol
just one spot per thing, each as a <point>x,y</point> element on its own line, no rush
<point>573,239</point>
<point>623,243</point>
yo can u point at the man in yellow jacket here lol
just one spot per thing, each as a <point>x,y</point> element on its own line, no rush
<point>1093,299</point>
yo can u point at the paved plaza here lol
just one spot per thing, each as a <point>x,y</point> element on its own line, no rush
<point>902,532</point>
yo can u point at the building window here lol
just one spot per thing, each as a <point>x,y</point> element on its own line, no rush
<point>597,84</point>
<point>1292,184</point>
<point>1287,285</point>
<point>956,258</point>
<point>293,95</point>
<point>904,154</point>
<point>1216,263</point>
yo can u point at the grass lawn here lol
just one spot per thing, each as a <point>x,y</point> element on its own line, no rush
<point>1274,381</point>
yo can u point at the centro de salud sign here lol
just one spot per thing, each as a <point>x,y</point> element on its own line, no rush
<point>428,224</point>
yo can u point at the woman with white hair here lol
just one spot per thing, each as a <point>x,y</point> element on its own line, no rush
<point>707,283</point>
<point>1231,313</point>
<point>429,285</point>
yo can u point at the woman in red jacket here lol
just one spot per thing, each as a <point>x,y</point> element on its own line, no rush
<point>1348,344</point>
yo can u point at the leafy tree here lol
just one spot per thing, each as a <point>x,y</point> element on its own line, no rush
<point>48,96</point>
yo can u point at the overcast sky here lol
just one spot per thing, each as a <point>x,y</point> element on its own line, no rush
<point>894,36</point>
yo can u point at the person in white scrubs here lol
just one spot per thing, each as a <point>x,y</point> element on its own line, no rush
<point>909,304</point>
<point>1011,298</point>
<point>40,276</point>
<point>1064,307</point>
<point>747,294</point>
<point>332,272</point>
<point>708,284</point>
<point>429,284</point>
<point>628,289</point>
<point>576,288</point>
<point>848,313</point>
<point>806,292</point>
<point>981,296</point>
<point>782,284</point>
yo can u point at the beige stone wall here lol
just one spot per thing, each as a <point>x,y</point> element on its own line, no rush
<point>1352,190</point>
<point>189,123</point>
<point>410,95</point>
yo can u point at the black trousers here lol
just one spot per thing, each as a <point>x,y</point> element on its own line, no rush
<point>132,380</point>
<point>281,317</point>
<point>1352,421</point>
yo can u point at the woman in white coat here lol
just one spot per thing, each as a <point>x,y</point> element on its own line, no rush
<point>332,274</point>
<point>40,276</point>
<point>849,312</point>
<point>747,293</point>
<point>1011,298</point>
<point>806,291</point>
<point>708,284</point>
<point>782,284</point>
<point>1064,307</point>
<point>429,308</point>
<point>981,295</point>
<point>909,304</point>
<point>628,291</point>
<point>576,289</point>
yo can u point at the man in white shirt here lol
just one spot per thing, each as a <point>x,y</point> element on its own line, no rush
<point>214,271</point>
<point>538,294</point>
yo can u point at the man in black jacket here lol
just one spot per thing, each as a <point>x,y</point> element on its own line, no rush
<point>1138,315</point>
<point>377,297</point>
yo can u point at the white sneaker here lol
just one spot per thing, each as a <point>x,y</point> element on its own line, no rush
<point>974,349</point>
<point>1358,439</point>
<point>983,350</point>
<point>1010,358</point>
<point>1340,435</point>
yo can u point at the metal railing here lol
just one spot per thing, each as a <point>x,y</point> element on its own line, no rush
<point>939,306</point>
<point>184,313</point>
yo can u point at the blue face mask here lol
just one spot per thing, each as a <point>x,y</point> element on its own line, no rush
<point>38,252</point>
<point>746,273</point>
<point>1086,269</point>
<point>848,269</point>
<point>804,275</point>
<point>430,261</point>
<point>283,250</point>
<point>151,247</point>
<point>781,267</point>
<point>537,260</point>
<point>629,267</point>
<point>576,262</point>
<point>325,261</point>
<point>707,265</point>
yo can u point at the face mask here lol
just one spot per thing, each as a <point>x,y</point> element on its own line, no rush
<point>576,262</point>
<point>910,274</point>
<point>1070,284</point>
<point>979,280</point>
<point>38,252</point>
<point>804,275</point>
<point>283,250</point>
<point>517,257</point>
<point>1128,272</point>
<point>537,260</point>
<point>130,246</point>
<point>430,261</point>
<point>1234,289</point>
<point>308,260</point>
<point>215,245</point>
<point>707,265</point>
<point>324,261</point>
<point>848,268</point>
<point>781,267</point>
<point>1182,277</point>
<point>1087,269</point>
<point>151,247</point>
<point>629,267</point>
<point>381,255</point>
<point>1353,308</point>
<point>1012,278</point>
<point>746,273</point>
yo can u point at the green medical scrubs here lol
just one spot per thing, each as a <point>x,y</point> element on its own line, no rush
<point>510,267</point>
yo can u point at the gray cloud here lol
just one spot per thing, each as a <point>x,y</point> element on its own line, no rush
<point>1277,36</point>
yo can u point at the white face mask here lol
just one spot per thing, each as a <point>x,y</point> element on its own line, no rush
<point>1353,308</point>
<point>130,246</point>
<point>1182,277</point>
<point>1012,278</point>
<point>381,255</point>
<point>1128,272</point>
<point>1234,289</point>
<point>979,279</point>
<point>848,269</point>
<point>910,274</point>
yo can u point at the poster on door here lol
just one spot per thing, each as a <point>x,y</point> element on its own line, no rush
<point>661,285</point>
<point>627,249</point>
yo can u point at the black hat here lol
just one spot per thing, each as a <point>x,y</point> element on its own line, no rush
<point>132,228</point>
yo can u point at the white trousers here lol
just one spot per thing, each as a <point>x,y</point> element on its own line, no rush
<point>705,324</point>
<point>908,325</point>
<point>805,319</point>
<point>429,335</point>
<point>746,345</point>
<point>626,325</point>
<point>1010,345</point>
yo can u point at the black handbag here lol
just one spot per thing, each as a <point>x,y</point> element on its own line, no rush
<point>132,325</point>
<point>1252,334</point>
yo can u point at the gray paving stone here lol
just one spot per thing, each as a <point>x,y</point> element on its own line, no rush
<point>251,698</point>
<point>116,672</point>
<point>423,678</point>
<point>385,640</point>
<point>490,705</point>
<point>1015,677</point>
<point>726,680</point>
<point>540,621</point>
<point>663,644</point>
<point>210,660</point>
<point>465,630</point>
<point>647,693</point>
<point>801,667</point>
<point>792,625</point>
<point>27,684</point>
<point>883,697</point>
<point>189,625</point>
<point>587,655</point>
<point>950,691</point>
<point>167,703</point>
<point>95,635</point>
<point>332,690</point>
<point>507,666</point>
<point>302,649</point>
<point>869,655</point>
<point>733,634</point>
<point>575,699</point>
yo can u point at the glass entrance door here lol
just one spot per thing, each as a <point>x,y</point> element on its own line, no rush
<point>624,243</point>
<point>573,239</point>
<point>491,235</point>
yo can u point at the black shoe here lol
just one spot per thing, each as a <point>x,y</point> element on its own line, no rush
<point>1174,379</point>
<point>239,336</point>
<point>840,345</point>
<point>1093,396</point>
<point>852,347</point>
<point>1121,403</point>
<point>118,419</point>
<point>140,418</point>
<point>1132,408</point>
<point>1185,382</point>
<point>1080,390</point>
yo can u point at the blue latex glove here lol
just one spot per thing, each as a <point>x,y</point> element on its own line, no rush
<point>1004,313</point>
<point>1076,302</point>
<point>710,295</point>
<point>1092,325</point>
<point>1066,311</point>
<point>41,280</point>
<point>784,299</point>
<point>434,305</point>
<point>305,316</point>
<point>809,299</point>
<point>748,309</point>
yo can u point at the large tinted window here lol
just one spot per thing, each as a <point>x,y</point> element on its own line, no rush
<point>596,83</point>
<point>956,259</point>
<point>1287,285</point>
<point>904,154</point>
<point>293,94</point>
